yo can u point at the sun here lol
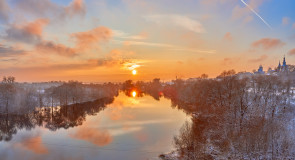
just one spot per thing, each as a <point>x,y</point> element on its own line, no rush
<point>134,72</point>
<point>134,94</point>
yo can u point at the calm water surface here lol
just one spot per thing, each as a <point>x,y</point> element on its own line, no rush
<point>129,128</point>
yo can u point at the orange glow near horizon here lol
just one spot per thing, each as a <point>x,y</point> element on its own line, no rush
<point>134,93</point>
<point>163,41</point>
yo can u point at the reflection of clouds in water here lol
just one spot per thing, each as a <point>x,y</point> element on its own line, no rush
<point>115,110</point>
<point>32,142</point>
<point>99,137</point>
<point>124,130</point>
<point>104,134</point>
<point>146,122</point>
<point>137,123</point>
<point>116,113</point>
<point>141,136</point>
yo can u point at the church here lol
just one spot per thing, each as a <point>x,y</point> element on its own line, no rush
<point>281,69</point>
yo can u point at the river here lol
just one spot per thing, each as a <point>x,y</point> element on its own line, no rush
<point>131,128</point>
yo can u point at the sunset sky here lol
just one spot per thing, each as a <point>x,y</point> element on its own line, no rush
<point>104,40</point>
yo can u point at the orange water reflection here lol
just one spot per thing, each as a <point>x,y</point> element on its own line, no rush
<point>127,124</point>
<point>33,143</point>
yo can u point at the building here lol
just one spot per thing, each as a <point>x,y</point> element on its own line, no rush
<point>260,70</point>
<point>282,68</point>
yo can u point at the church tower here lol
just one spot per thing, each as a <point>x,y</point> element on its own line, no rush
<point>284,62</point>
<point>284,68</point>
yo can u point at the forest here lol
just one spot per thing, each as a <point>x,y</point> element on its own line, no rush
<point>232,117</point>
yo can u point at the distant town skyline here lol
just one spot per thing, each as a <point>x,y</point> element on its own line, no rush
<point>103,40</point>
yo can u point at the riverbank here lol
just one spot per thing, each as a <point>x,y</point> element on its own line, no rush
<point>174,155</point>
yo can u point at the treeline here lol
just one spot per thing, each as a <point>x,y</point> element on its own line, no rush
<point>22,97</point>
<point>153,88</point>
<point>235,118</point>
<point>51,118</point>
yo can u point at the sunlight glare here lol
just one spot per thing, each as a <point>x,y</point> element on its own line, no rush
<point>134,72</point>
<point>134,93</point>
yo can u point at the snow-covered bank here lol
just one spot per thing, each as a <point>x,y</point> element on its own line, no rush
<point>174,155</point>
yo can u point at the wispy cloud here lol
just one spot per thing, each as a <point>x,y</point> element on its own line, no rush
<point>228,36</point>
<point>88,39</point>
<point>124,35</point>
<point>4,9</point>
<point>268,43</point>
<point>141,43</point>
<point>76,7</point>
<point>259,59</point>
<point>193,50</point>
<point>30,32</point>
<point>47,8</point>
<point>285,20</point>
<point>168,46</point>
<point>49,47</point>
<point>83,41</point>
<point>7,51</point>
<point>292,52</point>
<point>177,20</point>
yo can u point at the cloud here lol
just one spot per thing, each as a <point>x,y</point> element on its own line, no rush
<point>228,36</point>
<point>292,52</point>
<point>126,64</point>
<point>285,20</point>
<point>87,39</point>
<point>30,32</point>
<point>131,65</point>
<point>214,2</point>
<point>83,41</point>
<point>7,51</point>
<point>46,8</point>
<point>4,11</point>
<point>118,58</point>
<point>140,43</point>
<point>41,8</point>
<point>193,50</point>
<point>76,7</point>
<point>49,47</point>
<point>268,43</point>
<point>230,61</point>
<point>121,34</point>
<point>107,62</point>
<point>36,27</point>
<point>138,6</point>
<point>227,61</point>
<point>177,20</point>
<point>293,26</point>
<point>259,59</point>
<point>164,45</point>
